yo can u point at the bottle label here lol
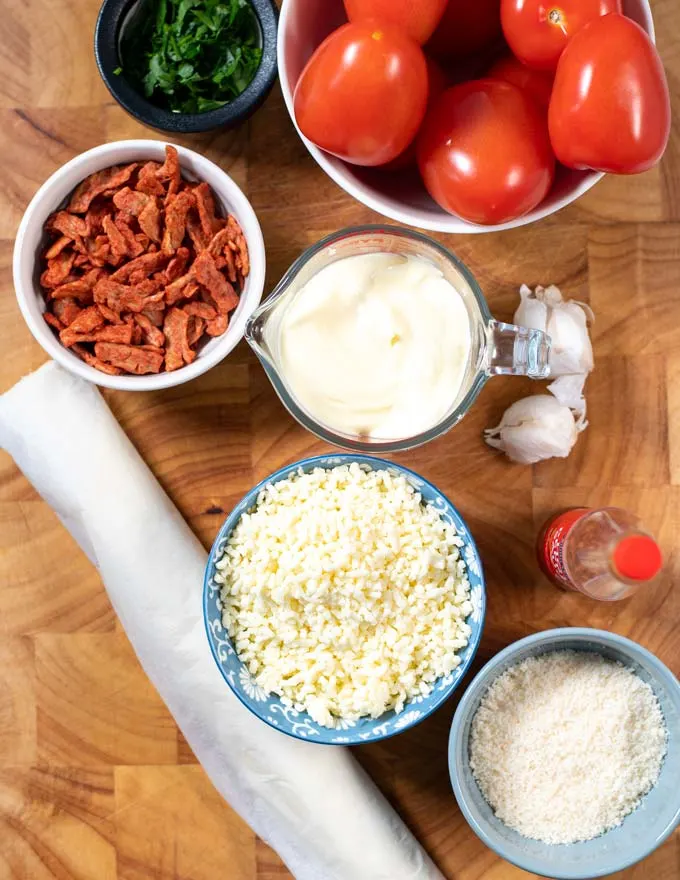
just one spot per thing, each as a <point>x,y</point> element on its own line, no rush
<point>551,549</point>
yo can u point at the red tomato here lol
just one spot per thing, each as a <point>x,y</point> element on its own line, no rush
<point>362,94</point>
<point>538,30</point>
<point>418,18</point>
<point>610,108</point>
<point>537,83</point>
<point>484,152</point>
<point>467,27</point>
<point>437,81</point>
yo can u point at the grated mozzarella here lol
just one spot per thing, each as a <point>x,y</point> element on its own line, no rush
<point>564,745</point>
<point>344,593</point>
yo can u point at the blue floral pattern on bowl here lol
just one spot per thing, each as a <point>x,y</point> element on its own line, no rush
<point>269,707</point>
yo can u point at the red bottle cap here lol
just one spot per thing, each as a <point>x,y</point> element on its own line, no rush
<point>638,558</point>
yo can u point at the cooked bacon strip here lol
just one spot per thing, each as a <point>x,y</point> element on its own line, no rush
<point>67,224</point>
<point>148,182</point>
<point>151,333</point>
<point>98,183</point>
<point>195,233</point>
<point>170,170</point>
<point>208,275</point>
<point>147,263</point>
<point>200,310</point>
<point>130,358</point>
<point>217,326</point>
<point>109,314</point>
<point>95,216</point>
<point>206,209</point>
<point>149,220</point>
<point>175,221</point>
<point>230,265</point>
<point>117,296</point>
<point>87,321</point>
<point>155,314</point>
<point>80,289</point>
<point>177,264</point>
<point>134,247</point>
<point>58,247</point>
<point>176,329</point>
<point>58,269</point>
<point>53,321</point>
<point>126,298</point>
<point>66,309</point>
<point>120,333</point>
<point>116,239</point>
<point>130,201</point>
<point>93,361</point>
<point>178,289</point>
<point>196,328</point>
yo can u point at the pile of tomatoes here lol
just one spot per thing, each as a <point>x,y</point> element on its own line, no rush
<point>561,81</point>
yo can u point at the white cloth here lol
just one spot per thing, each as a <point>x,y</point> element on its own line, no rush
<point>314,804</point>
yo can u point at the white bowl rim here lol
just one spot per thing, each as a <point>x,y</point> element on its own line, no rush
<point>48,198</point>
<point>448,223</point>
<point>484,678</point>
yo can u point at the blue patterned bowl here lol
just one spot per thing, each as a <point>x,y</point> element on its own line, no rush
<point>298,724</point>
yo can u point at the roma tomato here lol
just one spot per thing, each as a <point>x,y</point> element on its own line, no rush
<point>537,83</point>
<point>484,152</point>
<point>418,18</point>
<point>362,94</point>
<point>610,108</point>
<point>467,27</point>
<point>437,81</point>
<point>538,30</point>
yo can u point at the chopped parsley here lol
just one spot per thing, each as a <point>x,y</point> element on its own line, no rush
<point>189,56</point>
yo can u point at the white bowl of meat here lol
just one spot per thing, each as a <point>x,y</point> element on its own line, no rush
<point>137,265</point>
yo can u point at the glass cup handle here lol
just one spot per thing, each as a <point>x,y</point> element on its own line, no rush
<point>517,351</point>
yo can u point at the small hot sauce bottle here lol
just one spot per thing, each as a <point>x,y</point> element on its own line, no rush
<point>604,553</point>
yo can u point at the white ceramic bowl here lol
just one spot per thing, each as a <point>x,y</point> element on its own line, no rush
<point>30,242</point>
<point>402,197</point>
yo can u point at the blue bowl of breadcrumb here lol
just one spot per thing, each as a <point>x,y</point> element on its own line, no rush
<point>291,718</point>
<point>641,831</point>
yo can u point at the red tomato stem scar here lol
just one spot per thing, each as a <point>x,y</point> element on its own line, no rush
<point>556,17</point>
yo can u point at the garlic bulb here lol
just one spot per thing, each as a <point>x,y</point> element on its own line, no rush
<point>536,428</point>
<point>565,321</point>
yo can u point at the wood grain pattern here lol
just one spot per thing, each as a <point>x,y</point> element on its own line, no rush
<point>96,782</point>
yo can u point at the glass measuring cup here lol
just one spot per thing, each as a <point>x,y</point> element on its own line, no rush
<point>496,348</point>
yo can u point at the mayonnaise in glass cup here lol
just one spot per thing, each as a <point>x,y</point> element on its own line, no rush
<point>490,347</point>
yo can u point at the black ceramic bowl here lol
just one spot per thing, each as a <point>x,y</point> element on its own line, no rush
<point>115,14</point>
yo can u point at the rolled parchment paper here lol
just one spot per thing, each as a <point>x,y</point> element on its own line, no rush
<point>314,804</point>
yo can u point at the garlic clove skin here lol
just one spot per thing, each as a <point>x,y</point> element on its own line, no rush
<point>531,312</point>
<point>566,322</point>
<point>568,390</point>
<point>534,429</point>
<point>571,350</point>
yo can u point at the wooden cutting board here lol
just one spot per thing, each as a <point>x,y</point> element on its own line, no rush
<point>96,783</point>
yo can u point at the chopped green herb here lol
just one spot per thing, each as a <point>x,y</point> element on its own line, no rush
<point>118,71</point>
<point>190,56</point>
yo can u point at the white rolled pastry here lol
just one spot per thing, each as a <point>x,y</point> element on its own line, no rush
<point>314,804</point>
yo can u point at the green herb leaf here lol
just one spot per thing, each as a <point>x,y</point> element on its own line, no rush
<point>191,56</point>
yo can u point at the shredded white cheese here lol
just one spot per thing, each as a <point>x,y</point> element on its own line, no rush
<point>344,593</point>
<point>564,745</point>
